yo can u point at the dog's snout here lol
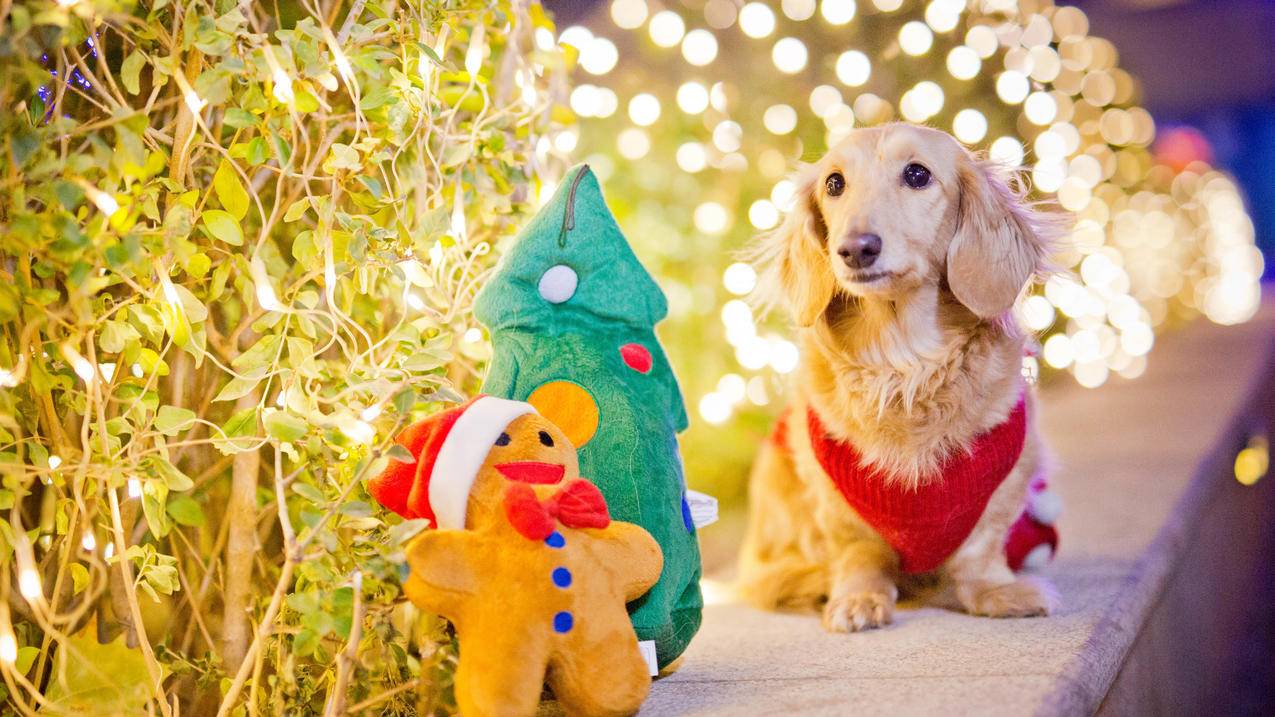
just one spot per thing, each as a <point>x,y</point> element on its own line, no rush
<point>859,252</point>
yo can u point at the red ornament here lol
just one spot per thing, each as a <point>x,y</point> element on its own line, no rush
<point>636,357</point>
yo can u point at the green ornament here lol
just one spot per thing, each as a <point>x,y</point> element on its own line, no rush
<point>572,316</point>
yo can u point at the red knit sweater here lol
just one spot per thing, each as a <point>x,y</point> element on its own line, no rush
<point>924,525</point>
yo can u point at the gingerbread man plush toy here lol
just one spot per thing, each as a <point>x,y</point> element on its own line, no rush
<point>525,562</point>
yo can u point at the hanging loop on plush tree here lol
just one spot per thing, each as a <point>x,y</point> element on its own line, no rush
<point>569,215</point>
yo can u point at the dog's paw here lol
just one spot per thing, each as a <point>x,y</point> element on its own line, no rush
<point>1025,597</point>
<point>858,611</point>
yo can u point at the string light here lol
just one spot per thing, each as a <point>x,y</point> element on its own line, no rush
<point>789,55</point>
<point>644,109</point>
<point>853,68</point>
<point>88,541</point>
<point>628,14</point>
<point>29,584</point>
<point>667,28</point>
<point>915,38</point>
<point>756,20</point>
<point>837,12</point>
<point>1144,251</point>
<point>699,47</point>
<point>692,97</point>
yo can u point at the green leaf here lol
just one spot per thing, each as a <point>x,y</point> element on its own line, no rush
<point>230,191</point>
<point>286,426</point>
<point>116,335</point>
<point>27,655</point>
<point>172,420</point>
<point>239,119</point>
<point>173,478</point>
<point>237,387</point>
<point>241,433</point>
<point>131,70</point>
<point>296,210</point>
<point>186,511</point>
<point>78,684</point>
<point>79,578</point>
<point>223,226</point>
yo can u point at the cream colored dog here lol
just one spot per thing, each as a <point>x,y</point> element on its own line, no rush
<point>900,260</point>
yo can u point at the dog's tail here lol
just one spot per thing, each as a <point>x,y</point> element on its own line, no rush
<point>785,583</point>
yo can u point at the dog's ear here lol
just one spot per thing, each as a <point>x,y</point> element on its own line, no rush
<point>1000,240</point>
<point>792,259</point>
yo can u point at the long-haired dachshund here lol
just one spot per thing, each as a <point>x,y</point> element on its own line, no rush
<point>911,443</point>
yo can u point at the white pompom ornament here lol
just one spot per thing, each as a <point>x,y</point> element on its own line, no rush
<point>558,284</point>
<point>1045,506</point>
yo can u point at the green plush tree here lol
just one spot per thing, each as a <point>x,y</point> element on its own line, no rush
<point>572,314</point>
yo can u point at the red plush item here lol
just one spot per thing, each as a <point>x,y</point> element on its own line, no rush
<point>925,525</point>
<point>393,487</point>
<point>1026,538</point>
<point>578,505</point>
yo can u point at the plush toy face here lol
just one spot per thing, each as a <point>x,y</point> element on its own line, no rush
<point>531,451</point>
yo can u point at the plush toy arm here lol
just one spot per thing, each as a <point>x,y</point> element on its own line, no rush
<point>445,569</point>
<point>635,558</point>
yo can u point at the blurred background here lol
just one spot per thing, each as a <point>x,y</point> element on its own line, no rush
<point>1125,112</point>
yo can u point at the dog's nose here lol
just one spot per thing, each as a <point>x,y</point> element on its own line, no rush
<point>859,252</point>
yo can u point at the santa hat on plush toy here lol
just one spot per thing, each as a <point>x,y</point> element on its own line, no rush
<point>450,447</point>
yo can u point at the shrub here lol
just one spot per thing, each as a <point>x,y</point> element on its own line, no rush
<point>239,244</point>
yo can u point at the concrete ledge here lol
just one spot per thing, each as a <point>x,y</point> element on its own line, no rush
<point>1154,518</point>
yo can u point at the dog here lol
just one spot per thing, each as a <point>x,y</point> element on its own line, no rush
<point>900,260</point>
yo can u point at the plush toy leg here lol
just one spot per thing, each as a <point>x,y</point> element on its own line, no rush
<point>500,675</point>
<point>610,685</point>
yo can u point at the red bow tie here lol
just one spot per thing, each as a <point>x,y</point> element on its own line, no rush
<point>578,505</point>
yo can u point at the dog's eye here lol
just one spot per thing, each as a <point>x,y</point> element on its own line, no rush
<point>546,439</point>
<point>835,183</point>
<point>916,176</point>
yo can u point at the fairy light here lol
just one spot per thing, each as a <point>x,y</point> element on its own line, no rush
<point>789,55</point>
<point>29,584</point>
<point>82,366</point>
<point>963,62</point>
<point>633,143</point>
<point>109,551</point>
<point>711,218</point>
<point>1012,87</point>
<point>779,119</point>
<point>134,488</point>
<point>853,68</point>
<point>644,109</point>
<point>476,51</point>
<point>666,28</point>
<point>105,202</point>
<point>193,101</point>
<point>282,86</point>
<point>699,47</point>
<point>756,20</point>
<point>358,431</point>
<point>692,98</point>
<point>628,14</point>
<point>1144,252</point>
<point>837,12</point>
<point>798,9</point>
<point>915,38</point>
<point>8,643</point>
<point>691,157</point>
<point>969,126</point>
<point>266,297</point>
<point>88,542</point>
<point>599,56</point>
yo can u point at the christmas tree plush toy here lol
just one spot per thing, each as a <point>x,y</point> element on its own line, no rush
<point>572,316</point>
<point>525,562</point>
